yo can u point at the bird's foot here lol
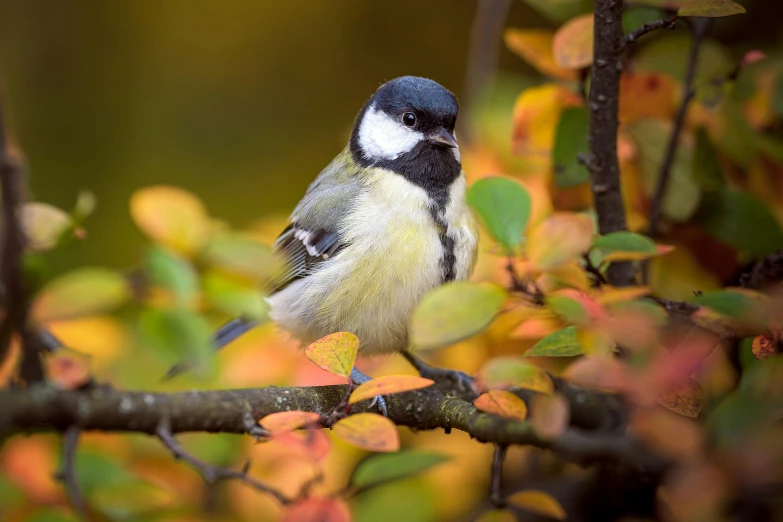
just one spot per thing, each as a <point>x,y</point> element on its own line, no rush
<point>359,378</point>
<point>458,380</point>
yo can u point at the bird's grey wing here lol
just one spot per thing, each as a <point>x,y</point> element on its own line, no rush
<point>313,235</point>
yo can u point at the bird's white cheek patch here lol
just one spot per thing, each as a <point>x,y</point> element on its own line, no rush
<point>383,137</point>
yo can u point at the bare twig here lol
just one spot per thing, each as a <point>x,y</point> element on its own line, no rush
<point>699,30</point>
<point>598,277</point>
<point>670,23</point>
<point>214,474</point>
<point>604,100</point>
<point>67,474</point>
<point>495,488</point>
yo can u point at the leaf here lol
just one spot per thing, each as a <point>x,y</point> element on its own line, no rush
<point>453,312</point>
<point>44,225</point>
<point>538,502</point>
<point>311,444</point>
<point>646,95</point>
<point>572,45</point>
<point>707,172</point>
<point>558,240</point>
<point>387,385</point>
<point>536,114</point>
<point>234,297</point>
<point>242,256</point>
<point>626,246</point>
<point>86,291</point>
<point>687,401</point>
<point>503,206</point>
<point>67,369</point>
<point>740,220</point>
<point>171,216</point>
<point>535,47</point>
<point>765,346</point>
<point>368,431</point>
<point>562,343</point>
<point>173,272</point>
<point>727,302</point>
<point>502,403</point>
<point>502,372</point>
<point>570,143</point>
<point>710,8</point>
<point>175,334</point>
<point>549,415</point>
<point>386,467</point>
<point>497,515</point>
<point>335,353</point>
<point>682,194</point>
<point>289,420</point>
<point>314,509</point>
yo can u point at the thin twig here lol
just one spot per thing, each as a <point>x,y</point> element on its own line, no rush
<point>495,488</point>
<point>628,39</point>
<point>598,277</point>
<point>699,30</point>
<point>67,473</point>
<point>214,474</point>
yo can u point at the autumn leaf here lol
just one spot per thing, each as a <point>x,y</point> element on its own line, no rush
<point>283,421</point>
<point>572,45</point>
<point>502,403</point>
<point>387,385</point>
<point>687,400</point>
<point>335,353</point>
<point>710,8</point>
<point>242,256</point>
<point>502,372</point>
<point>646,95</point>
<point>559,239</point>
<point>315,509</point>
<point>765,346</point>
<point>85,291</point>
<point>562,343</point>
<point>368,431</point>
<point>535,47</point>
<point>67,369</point>
<point>549,415</point>
<point>44,225</point>
<point>453,312</point>
<point>538,502</point>
<point>536,115</point>
<point>497,515</point>
<point>311,444</point>
<point>171,216</point>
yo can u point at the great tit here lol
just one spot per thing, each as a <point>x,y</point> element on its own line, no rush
<point>384,223</point>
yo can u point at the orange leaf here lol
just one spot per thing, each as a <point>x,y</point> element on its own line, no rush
<point>502,403</point>
<point>558,240</point>
<point>387,385</point>
<point>171,216</point>
<point>368,431</point>
<point>312,444</point>
<point>573,43</point>
<point>335,353</point>
<point>536,115</point>
<point>67,369</point>
<point>549,415</point>
<point>687,400</point>
<point>671,434</point>
<point>535,47</point>
<point>538,502</point>
<point>646,95</point>
<point>318,510</point>
<point>289,420</point>
<point>765,346</point>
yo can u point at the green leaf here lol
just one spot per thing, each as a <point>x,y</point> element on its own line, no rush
<point>707,172</point>
<point>233,297</point>
<point>242,256</point>
<point>175,334</point>
<point>86,291</point>
<point>625,242</point>
<point>569,309</point>
<point>740,220</point>
<point>710,8</point>
<point>504,207</point>
<point>453,312</point>
<point>666,55</point>
<point>384,467</point>
<point>562,343</point>
<point>412,500</point>
<point>739,141</point>
<point>682,194</point>
<point>570,142</point>
<point>731,304</point>
<point>173,272</point>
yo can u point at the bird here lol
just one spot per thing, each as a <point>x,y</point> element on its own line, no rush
<point>383,224</point>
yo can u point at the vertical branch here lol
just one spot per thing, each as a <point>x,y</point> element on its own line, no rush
<point>604,100</point>
<point>699,29</point>
<point>67,473</point>
<point>11,269</point>
<point>495,487</point>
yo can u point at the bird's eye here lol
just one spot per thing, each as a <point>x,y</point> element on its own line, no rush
<point>409,119</point>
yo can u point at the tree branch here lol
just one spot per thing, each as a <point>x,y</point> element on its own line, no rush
<point>496,479</point>
<point>67,474</point>
<point>628,39</point>
<point>104,409</point>
<point>604,100</point>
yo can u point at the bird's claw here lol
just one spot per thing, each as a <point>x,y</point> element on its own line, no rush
<point>359,378</point>
<point>381,402</point>
<point>461,380</point>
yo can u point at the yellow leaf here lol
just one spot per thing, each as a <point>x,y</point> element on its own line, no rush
<point>558,240</point>
<point>609,295</point>
<point>595,341</point>
<point>497,515</point>
<point>86,291</point>
<point>572,45</point>
<point>171,216</point>
<point>44,225</point>
<point>368,431</point>
<point>538,502</point>
<point>535,47</point>
<point>536,114</point>
<point>335,353</point>
<point>387,385</point>
<point>502,403</point>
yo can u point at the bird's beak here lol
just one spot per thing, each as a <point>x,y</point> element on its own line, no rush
<point>445,138</point>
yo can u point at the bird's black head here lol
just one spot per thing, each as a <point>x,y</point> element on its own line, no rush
<point>407,126</point>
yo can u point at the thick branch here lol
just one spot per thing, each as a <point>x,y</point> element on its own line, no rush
<point>105,409</point>
<point>604,99</point>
